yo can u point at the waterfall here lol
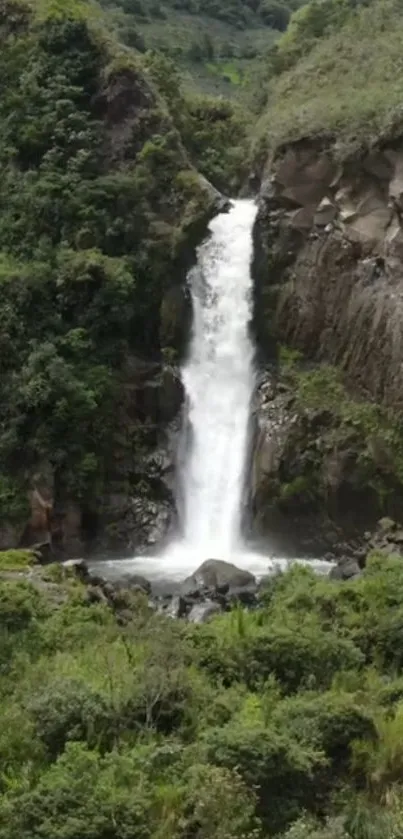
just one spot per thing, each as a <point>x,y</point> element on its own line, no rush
<point>219,380</point>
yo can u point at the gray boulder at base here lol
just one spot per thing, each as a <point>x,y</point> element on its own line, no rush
<point>80,568</point>
<point>202,612</point>
<point>176,608</point>
<point>346,569</point>
<point>217,574</point>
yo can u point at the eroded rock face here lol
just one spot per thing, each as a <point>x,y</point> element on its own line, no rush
<point>138,511</point>
<point>307,489</point>
<point>329,263</point>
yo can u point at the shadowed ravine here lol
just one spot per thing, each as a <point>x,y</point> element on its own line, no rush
<point>219,379</point>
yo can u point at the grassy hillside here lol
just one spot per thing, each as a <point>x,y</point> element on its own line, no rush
<point>337,70</point>
<point>214,43</point>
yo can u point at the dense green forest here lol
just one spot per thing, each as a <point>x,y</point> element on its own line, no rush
<point>99,205</point>
<point>282,722</point>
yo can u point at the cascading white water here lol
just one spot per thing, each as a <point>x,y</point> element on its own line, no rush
<point>219,381</point>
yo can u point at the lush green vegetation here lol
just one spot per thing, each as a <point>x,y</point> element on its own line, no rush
<point>285,721</point>
<point>335,426</point>
<point>205,124</point>
<point>214,43</point>
<point>337,71</point>
<point>99,210</point>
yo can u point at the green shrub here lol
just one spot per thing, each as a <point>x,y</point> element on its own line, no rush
<point>70,710</point>
<point>16,560</point>
<point>297,652</point>
<point>280,769</point>
<point>21,604</point>
<point>331,722</point>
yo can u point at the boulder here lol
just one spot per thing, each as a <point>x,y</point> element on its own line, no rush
<point>176,608</point>
<point>347,568</point>
<point>214,574</point>
<point>44,553</point>
<point>80,568</point>
<point>202,612</point>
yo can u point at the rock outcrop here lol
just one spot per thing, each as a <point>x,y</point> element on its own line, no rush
<point>328,262</point>
<point>328,273</point>
<point>304,489</point>
<point>215,587</point>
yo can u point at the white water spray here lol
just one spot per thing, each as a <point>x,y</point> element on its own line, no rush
<point>219,379</point>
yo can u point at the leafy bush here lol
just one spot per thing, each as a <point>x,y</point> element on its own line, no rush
<point>21,604</point>
<point>331,722</point>
<point>115,796</point>
<point>16,560</point>
<point>70,710</point>
<point>281,770</point>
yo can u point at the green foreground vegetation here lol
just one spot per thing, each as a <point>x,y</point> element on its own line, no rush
<point>286,721</point>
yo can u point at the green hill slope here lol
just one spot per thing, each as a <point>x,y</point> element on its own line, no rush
<point>338,70</point>
<point>213,43</point>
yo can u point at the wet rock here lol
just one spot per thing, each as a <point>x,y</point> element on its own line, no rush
<point>347,568</point>
<point>246,595</point>
<point>333,288</point>
<point>136,523</point>
<point>136,582</point>
<point>80,567</point>
<point>202,612</point>
<point>44,553</point>
<point>176,317</point>
<point>110,591</point>
<point>176,608</point>
<point>95,594</point>
<point>307,493</point>
<point>325,213</point>
<point>215,573</point>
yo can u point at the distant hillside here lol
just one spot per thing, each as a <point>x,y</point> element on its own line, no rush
<point>337,70</point>
<point>214,43</point>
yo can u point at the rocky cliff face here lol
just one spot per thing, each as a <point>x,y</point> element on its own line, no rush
<point>329,283</point>
<point>329,256</point>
